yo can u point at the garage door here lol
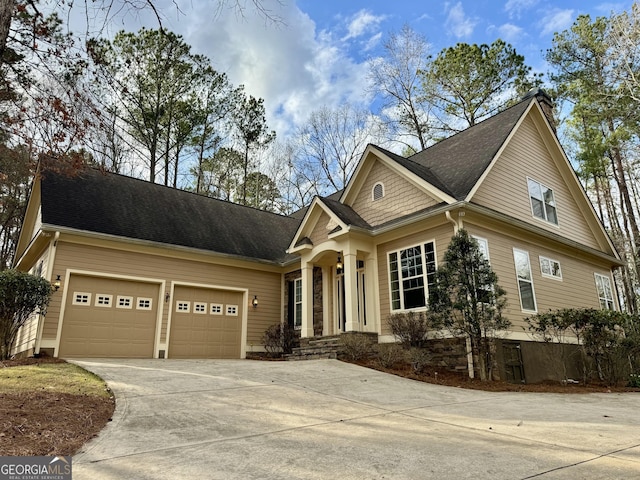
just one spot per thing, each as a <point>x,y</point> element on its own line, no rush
<point>109,318</point>
<point>205,323</point>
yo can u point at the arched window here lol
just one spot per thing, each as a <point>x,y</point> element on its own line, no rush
<point>378,191</point>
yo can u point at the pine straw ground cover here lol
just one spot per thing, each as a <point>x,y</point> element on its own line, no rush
<point>50,407</point>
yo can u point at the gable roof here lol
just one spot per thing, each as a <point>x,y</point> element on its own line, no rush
<point>122,206</point>
<point>459,161</point>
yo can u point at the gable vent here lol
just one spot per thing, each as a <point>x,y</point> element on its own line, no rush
<point>378,191</point>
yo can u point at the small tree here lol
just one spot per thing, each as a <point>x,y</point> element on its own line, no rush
<point>21,294</point>
<point>468,300</point>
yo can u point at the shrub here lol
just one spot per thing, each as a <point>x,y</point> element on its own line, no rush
<point>411,328</point>
<point>388,354</point>
<point>419,358</point>
<point>355,346</point>
<point>280,339</point>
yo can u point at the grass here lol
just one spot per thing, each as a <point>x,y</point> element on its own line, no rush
<point>52,377</point>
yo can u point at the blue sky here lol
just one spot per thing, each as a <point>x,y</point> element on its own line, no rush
<point>317,54</point>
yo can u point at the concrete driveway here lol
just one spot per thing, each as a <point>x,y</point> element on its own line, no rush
<point>323,419</point>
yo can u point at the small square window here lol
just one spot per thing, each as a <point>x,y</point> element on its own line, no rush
<point>199,307</point>
<point>103,300</point>
<point>81,298</point>
<point>550,268</point>
<point>124,302</point>
<point>183,307</point>
<point>216,309</point>
<point>144,303</point>
<point>232,310</point>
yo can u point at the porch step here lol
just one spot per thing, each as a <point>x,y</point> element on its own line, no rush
<point>313,348</point>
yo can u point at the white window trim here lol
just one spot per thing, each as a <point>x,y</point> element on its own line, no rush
<point>533,290</point>
<point>202,310</point>
<point>107,297</point>
<point>550,275</point>
<point>215,309</point>
<point>545,220</point>
<point>183,306</point>
<point>144,299</point>
<point>481,240</point>
<point>608,279</point>
<point>373,189</point>
<point>124,297</point>
<point>75,299</point>
<point>231,310</point>
<point>297,282</point>
<point>424,274</point>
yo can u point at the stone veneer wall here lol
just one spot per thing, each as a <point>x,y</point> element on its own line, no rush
<point>317,298</point>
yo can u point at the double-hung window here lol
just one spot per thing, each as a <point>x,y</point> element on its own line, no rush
<point>525,280</point>
<point>605,292</point>
<point>543,203</point>
<point>412,273</point>
<point>297,303</point>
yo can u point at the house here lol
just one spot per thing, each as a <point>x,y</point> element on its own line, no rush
<point>149,271</point>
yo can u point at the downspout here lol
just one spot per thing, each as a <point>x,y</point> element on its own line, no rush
<point>456,228</point>
<point>52,256</point>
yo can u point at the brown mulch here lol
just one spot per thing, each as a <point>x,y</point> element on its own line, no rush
<point>461,380</point>
<point>49,423</point>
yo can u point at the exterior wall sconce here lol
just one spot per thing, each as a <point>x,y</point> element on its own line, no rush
<point>339,263</point>
<point>254,302</point>
<point>56,284</point>
<point>167,297</point>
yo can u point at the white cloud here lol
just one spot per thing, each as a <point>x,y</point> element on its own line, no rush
<point>361,23</point>
<point>458,23</point>
<point>295,68</point>
<point>515,8</point>
<point>510,33</point>
<point>555,20</point>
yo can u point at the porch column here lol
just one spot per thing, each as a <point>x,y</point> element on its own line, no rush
<point>326,305</point>
<point>350,293</point>
<point>307,300</point>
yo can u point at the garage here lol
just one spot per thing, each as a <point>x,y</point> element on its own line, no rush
<point>109,317</point>
<point>206,323</point>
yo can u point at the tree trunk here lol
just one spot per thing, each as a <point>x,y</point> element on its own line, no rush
<point>7,8</point>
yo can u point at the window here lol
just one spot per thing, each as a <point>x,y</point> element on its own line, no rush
<point>605,293</point>
<point>550,268</point>
<point>525,280</point>
<point>378,191</point>
<point>199,307</point>
<point>103,300</point>
<point>412,274</point>
<point>543,204</point>
<point>183,307</point>
<point>297,303</point>
<point>232,310</point>
<point>215,309</point>
<point>81,298</point>
<point>483,246</point>
<point>144,303</point>
<point>124,302</point>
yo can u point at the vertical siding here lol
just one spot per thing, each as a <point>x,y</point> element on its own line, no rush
<point>505,188</point>
<point>266,285</point>
<point>401,197</point>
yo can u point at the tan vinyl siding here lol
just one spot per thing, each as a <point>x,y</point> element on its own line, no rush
<point>400,196</point>
<point>505,188</point>
<point>266,285</point>
<point>321,230</point>
<point>442,237</point>
<point>576,289</point>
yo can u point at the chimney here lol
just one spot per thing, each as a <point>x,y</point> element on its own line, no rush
<point>545,103</point>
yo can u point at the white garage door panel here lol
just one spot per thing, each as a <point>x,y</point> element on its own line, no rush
<point>198,335</point>
<point>106,331</point>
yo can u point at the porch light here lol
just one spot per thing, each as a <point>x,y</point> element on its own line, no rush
<point>56,284</point>
<point>339,263</point>
<point>167,297</point>
<point>255,301</point>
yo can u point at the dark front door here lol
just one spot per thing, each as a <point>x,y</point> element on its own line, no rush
<point>514,369</point>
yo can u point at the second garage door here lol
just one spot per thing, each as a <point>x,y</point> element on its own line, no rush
<point>205,323</point>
